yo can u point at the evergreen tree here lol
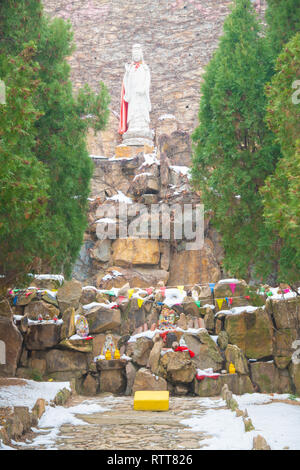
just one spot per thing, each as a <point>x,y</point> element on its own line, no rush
<point>283,18</point>
<point>46,125</point>
<point>234,150</point>
<point>282,189</point>
<point>24,181</point>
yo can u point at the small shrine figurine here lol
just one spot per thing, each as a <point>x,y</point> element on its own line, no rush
<point>40,318</point>
<point>117,354</point>
<point>82,327</point>
<point>108,346</point>
<point>166,319</point>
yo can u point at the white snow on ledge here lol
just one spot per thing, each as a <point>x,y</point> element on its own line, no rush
<point>238,310</point>
<point>120,197</point>
<point>229,281</point>
<point>27,395</point>
<point>106,220</point>
<point>181,169</point>
<point>54,277</point>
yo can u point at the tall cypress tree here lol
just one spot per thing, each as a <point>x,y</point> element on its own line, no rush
<point>45,167</point>
<point>234,149</point>
<point>282,189</point>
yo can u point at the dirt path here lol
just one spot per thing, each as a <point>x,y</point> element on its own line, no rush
<point>122,428</point>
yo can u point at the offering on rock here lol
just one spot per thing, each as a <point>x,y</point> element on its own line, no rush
<point>108,346</point>
<point>166,319</point>
<point>82,327</point>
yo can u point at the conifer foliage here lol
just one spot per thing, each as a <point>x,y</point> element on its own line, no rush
<point>234,149</point>
<point>283,18</point>
<point>45,168</point>
<point>282,189</point>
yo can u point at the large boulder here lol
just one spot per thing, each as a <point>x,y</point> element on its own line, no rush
<point>102,318</point>
<point>135,251</point>
<point>112,376</point>
<point>145,380</point>
<point>42,336</point>
<point>208,387</point>
<point>38,307</point>
<point>207,353</point>
<point>268,379</point>
<point>177,367</point>
<point>10,347</point>
<point>286,313</point>
<point>68,326</point>
<point>63,361</point>
<point>252,332</point>
<point>283,351</point>
<point>222,340</point>
<point>131,371</point>
<point>5,309</point>
<point>140,350</point>
<point>69,295</point>
<point>235,355</point>
<point>294,370</point>
<point>154,356</point>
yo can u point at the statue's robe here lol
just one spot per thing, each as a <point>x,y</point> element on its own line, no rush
<point>135,100</point>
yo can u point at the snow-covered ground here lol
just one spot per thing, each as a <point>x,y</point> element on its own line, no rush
<point>278,423</point>
<point>27,394</point>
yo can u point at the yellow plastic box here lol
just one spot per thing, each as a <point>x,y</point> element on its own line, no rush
<point>149,400</point>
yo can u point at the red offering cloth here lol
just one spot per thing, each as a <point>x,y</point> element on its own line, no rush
<point>123,113</point>
<point>184,348</point>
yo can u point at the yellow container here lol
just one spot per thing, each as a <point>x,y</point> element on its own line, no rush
<point>231,368</point>
<point>151,400</point>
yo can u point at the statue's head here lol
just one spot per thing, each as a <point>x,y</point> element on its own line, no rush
<point>137,53</point>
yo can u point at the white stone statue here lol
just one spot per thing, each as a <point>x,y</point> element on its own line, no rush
<point>135,101</point>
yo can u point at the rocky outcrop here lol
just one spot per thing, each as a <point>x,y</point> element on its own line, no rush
<point>69,295</point>
<point>269,379</point>
<point>208,387</point>
<point>42,336</point>
<point>102,318</point>
<point>145,380</point>
<point>207,353</point>
<point>140,351</point>
<point>11,347</point>
<point>177,367</point>
<point>252,332</point>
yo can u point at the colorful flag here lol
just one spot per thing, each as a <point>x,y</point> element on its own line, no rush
<point>232,287</point>
<point>130,293</point>
<point>212,286</point>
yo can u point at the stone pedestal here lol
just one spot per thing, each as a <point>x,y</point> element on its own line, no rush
<point>130,151</point>
<point>112,375</point>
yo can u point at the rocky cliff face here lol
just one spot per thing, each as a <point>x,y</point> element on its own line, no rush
<point>149,185</point>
